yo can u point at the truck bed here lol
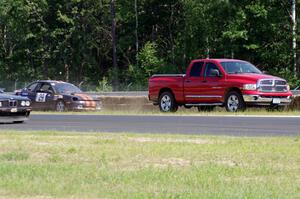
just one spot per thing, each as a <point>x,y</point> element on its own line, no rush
<point>159,82</point>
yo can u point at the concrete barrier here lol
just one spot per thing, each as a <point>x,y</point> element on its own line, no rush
<point>295,104</point>
<point>141,103</point>
<point>127,103</point>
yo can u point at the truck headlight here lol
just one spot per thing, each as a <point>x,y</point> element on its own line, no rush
<point>250,87</point>
<point>0,104</point>
<point>288,87</point>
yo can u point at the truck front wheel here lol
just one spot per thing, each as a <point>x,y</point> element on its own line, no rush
<point>234,102</point>
<point>167,102</point>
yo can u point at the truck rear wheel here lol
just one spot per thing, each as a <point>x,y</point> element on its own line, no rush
<point>234,102</point>
<point>167,102</point>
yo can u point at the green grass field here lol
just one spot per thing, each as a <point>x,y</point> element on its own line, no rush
<point>74,165</point>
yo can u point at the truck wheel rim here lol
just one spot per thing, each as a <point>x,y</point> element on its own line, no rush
<point>60,106</point>
<point>233,103</point>
<point>165,103</point>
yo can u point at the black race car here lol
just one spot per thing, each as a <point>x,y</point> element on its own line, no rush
<point>14,108</point>
<point>59,96</point>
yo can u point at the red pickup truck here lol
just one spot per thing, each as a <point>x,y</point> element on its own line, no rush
<point>207,83</point>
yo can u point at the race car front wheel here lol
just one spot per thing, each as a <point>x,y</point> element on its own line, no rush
<point>60,106</point>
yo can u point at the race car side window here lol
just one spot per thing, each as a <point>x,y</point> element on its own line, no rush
<point>32,87</point>
<point>46,88</point>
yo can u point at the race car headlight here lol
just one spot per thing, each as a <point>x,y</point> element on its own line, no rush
<point>23,103</point>
<point>75,99</point>
<point>250,87</point>
<point>27,103</point>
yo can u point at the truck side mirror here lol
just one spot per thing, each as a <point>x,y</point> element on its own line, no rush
<point>215,73</point>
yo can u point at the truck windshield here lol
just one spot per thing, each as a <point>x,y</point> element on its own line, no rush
<point>237,67</point>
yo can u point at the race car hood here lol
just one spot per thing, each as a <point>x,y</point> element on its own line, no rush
<point>11,97</point>
<point>86,97</point>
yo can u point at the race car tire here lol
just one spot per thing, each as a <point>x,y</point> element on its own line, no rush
<point>60,106</point>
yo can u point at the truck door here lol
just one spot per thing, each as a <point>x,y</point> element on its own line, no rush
<point>193,83</point>
<point>214,82</point>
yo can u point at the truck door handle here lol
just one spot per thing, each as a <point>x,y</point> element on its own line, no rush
<point>204,81</point>
<point>188,81</point>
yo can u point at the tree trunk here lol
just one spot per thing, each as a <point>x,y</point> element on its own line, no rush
<point>115,78</point>
<point>67,72</point>
<point>294,38</point>
<point>136,30</point>
<point>45,67</point>
<point>171,34</point>
<point>207,48</point>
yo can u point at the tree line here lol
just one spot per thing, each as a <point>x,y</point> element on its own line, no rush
<point>119,44</point>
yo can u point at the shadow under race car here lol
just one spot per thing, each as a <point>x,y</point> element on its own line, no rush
<point>13,108</point>
<point>59,96</point>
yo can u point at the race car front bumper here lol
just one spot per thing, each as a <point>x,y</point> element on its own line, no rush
<point>85,106</point>
<point>8,115</point>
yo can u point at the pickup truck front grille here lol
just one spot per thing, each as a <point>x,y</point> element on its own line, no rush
<point>273,86</point>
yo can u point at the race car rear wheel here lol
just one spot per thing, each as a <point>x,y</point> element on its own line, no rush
<point>60,106</point>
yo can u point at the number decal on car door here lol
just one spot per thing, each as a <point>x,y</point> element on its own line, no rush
<point>41,97</point>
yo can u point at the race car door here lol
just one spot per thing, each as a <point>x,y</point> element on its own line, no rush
<point>44,98</point>
<point>30,92</point>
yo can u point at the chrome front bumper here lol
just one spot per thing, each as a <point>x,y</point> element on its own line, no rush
<point>259,100</point>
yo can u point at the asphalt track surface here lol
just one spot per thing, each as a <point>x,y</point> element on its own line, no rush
<point>206,125</point>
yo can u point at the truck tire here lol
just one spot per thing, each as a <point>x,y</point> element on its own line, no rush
<point>234,102</point>
<point>167,102</point>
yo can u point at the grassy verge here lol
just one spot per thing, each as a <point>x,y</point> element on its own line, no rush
<point>71,165</point>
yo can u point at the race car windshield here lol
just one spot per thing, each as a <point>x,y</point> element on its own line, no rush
<point>237,67</point>
<point>66,88</point>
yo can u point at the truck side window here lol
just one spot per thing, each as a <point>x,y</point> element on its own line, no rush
<point>196,69</point>
<point>209,68</point>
